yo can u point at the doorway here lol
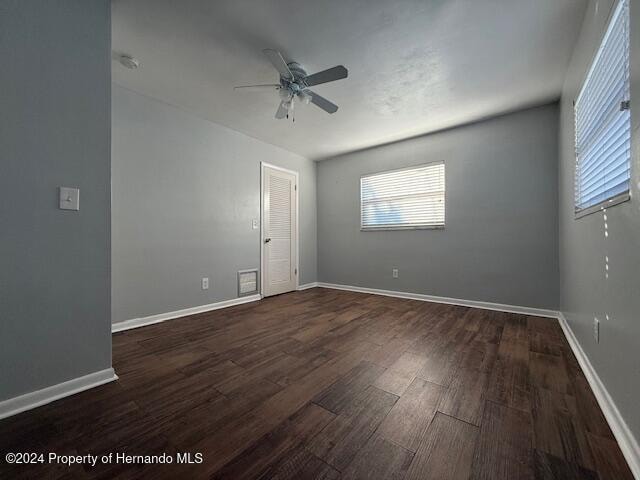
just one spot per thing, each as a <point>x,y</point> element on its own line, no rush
<point>279,230</point>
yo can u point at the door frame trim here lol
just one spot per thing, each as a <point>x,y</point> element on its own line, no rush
<point>297,190</point>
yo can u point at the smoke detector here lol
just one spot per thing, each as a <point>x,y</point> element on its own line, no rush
<point>129,62</point>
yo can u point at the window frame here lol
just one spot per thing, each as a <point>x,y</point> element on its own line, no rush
<point>364,228</point>
<point>620,197</point>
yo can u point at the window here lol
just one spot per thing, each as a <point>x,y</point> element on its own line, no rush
<point>603,122</point>
<point>407,198</point>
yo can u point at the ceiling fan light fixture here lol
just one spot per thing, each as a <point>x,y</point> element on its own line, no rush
<point>284,94</point>
<point>305,98</point>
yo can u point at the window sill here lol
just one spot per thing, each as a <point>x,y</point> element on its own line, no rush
<point>383,229</point>
<point>617,200</point>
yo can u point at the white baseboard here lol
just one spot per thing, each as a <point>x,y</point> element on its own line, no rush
<point>46,395</point>
<point>539,312</point>
<point>163,317</point>
<point>627,442</point>
<point>307,286</point>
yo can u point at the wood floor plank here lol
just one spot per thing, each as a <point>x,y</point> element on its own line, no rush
<point>341,440</point>
<point>510,383</point>
<point>328,322</point>
<point>491,327</point>
<point>547,326</point>
<point>274,366</point>
<point>408,420</point>
<point>608,459</point>
<point>587,406</point>
<point>504,445</point>
<point>387,354</point>
<point>299,463</point>
<point>408,363</point>
<point>400,374</point>
<point>127,426</point>
<point>255,353</point>
<point>440,364</point>
<point>516,329</point>
<point>465,397</point>
<point>379,459</point>
<point>549,467</point>
<point>395,382</point>
<point>347,387</point>
<point>276,444</point>
<point>316,469</point>
<point>446,452</point>
<point>223,444</point>
<point>27,430</point>
<point>215,369</point>
<point>556,428</point>
<point>296,395</point>
<point>199,423</point>
<point>544,343</point>
<point>301,366</point>
<point>479,355</point>
<point>548,371</point>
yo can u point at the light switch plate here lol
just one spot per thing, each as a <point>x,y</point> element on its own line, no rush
<point>69,198</point>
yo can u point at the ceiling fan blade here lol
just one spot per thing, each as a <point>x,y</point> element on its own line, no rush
<point>282,110</point>
<point>322,102</point>
<point>277,61</point>
<point>258,88</point>
<point>329,75</point>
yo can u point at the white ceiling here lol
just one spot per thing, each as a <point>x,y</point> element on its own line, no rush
<point>415,66</point>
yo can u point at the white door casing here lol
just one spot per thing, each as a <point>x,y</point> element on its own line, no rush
<point>279,230</point>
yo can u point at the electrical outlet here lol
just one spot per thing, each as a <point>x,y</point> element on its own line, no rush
<point>596,330</point>
<point>205,283</point>
<point>394,272</point>
<point>254,224</point>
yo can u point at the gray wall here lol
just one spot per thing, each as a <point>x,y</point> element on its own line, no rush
<point>585,291</point>
<point>54,131</point>
<point>500,240</point>
<point>185,191</point>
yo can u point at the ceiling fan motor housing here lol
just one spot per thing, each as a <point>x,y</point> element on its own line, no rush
<point>295,85</point>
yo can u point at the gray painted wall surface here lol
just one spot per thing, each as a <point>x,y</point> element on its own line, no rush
<point>585,291</point>
<point>500,240</point>
<point>54,131</point>
<point>185,191</point>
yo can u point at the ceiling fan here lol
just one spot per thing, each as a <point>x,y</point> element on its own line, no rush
<point>295,83</point>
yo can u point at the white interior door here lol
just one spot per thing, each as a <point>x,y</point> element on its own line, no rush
<point>279,225</point>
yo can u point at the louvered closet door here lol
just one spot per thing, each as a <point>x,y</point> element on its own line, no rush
<point>279,229</point>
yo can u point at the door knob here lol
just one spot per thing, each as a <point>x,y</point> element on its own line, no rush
<point>267,240</point>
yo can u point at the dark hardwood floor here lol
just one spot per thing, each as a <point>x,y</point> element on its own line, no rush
<point>329,384</point>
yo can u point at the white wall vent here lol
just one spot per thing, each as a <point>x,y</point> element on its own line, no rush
<point>247,282</point>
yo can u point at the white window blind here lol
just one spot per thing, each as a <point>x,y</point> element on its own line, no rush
<point>603,121</point>
<point>407,198</point>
